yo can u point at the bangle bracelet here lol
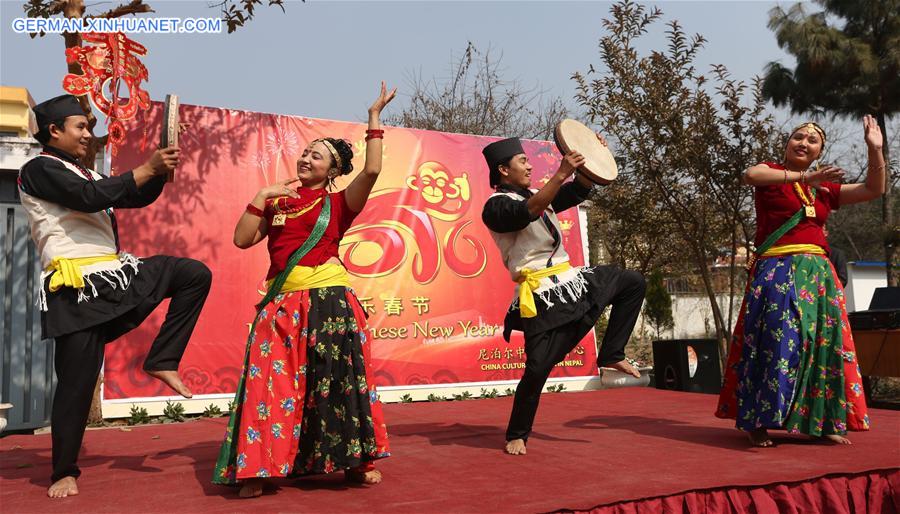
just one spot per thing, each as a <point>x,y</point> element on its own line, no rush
<point>785,177</point>
<point>254,210</point>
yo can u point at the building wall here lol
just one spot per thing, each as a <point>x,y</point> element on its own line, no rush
<point>862,280</point>
<point>693,315</point>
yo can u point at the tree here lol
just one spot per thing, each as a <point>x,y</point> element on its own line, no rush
<point>635,233</point>
<point>236,12</point>
<point>848,64</point>
<point>684,145</point>
<point>658,303</point>
<point>477,99</point>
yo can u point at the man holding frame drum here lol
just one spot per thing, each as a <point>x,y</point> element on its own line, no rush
<point>92,292</point>
<point>555,304</point>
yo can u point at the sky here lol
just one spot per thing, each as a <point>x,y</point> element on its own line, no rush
<point>326,59</point>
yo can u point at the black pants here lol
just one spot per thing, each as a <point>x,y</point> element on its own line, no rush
<point>79,355</point>
<point>546,349</point>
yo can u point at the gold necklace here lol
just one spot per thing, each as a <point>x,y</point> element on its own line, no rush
<point>282,215</point>
<point>807,199</point>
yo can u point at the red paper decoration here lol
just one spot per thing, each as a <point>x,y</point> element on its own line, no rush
<point>110,60</point>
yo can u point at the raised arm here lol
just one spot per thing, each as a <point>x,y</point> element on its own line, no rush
<point>577,191</point>
<point>874,185</point>
<point>539,202</point>
<point>50,180</point>
<point>762,175</point>
<point>357,193</point>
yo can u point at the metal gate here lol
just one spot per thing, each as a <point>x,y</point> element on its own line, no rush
<point>26,361</point>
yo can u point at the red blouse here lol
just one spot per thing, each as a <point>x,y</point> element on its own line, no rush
<point>285,239</point>
<point>775,204</point>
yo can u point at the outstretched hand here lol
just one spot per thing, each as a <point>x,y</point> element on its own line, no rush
<point>827,173</point>
<point>383,99</point>
<point>874,137</point>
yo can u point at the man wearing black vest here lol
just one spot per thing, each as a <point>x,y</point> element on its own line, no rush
<point>555,304</point>
<point>93,292</point>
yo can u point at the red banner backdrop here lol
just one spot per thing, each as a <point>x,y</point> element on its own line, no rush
<point>421,261</point>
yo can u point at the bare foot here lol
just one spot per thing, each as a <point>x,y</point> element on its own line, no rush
<point>252,488</point>
<point>836,439</point>
<point>370,477</point>
<point>760,438</point>
<point>62,488</point>
<point>515,447</point>
<point>171,379</point>
<point>625,367</point>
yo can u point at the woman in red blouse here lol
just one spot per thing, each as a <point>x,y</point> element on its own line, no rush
<point>306,402</point>
<point>792,362</point>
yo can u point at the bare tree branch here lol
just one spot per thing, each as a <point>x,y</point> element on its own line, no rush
<point>133,7</point>
<point>477,98</point>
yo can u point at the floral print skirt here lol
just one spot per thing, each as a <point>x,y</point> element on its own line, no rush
<point>306,403</point>
<point>792,362</point>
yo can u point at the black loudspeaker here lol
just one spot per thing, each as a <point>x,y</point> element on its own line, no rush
<point>687,365</point>
<point>883,312</point>
<point>885,298</point>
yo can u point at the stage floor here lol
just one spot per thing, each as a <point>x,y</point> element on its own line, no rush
<point>588,449</point>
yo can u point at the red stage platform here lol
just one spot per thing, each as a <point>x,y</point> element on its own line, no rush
<point>621,450</point>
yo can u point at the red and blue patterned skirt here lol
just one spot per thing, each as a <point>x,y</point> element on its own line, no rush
<point>792,362</point>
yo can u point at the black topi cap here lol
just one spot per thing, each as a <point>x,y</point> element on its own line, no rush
<point>56,109</point>
<point>500,152</point>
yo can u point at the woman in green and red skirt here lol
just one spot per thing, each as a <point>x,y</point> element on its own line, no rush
<point>306,402</point>
<point>792,363</point>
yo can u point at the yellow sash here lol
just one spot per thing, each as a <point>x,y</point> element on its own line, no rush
<point>777,251</point>
<point>529,280</point>
<point>315,277</point>
<point>68,271</point>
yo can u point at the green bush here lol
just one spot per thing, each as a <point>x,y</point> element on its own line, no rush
<point>493,393</point>
<point>658,304</point>
<point>174,412</point>
<point>138,416</point>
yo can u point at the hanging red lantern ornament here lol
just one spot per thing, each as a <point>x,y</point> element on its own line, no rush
<point>116,134</point>
<point>107,61</point>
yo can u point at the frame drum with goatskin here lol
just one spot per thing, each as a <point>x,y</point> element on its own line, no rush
<point>599,165</point>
